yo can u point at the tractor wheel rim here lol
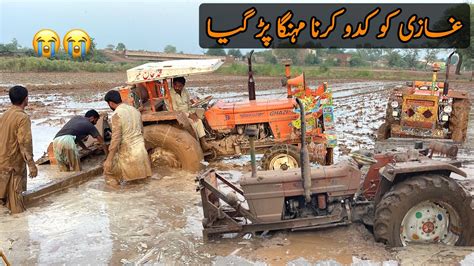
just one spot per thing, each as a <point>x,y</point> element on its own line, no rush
<point>430,222</point>
<point>283,162</point>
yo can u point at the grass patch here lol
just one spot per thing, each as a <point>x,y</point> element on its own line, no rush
<point>39,64</point>
<point>327,72</point>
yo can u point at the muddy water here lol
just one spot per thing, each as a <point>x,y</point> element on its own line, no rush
<point>160,221</point>
<point>93,224</point>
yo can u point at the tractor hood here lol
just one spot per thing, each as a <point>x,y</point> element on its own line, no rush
<point>169,69</point>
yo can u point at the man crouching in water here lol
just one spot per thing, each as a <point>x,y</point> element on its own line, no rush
<point>127,159</point>
<point>72,133</point>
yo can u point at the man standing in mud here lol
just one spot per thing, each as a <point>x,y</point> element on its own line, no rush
<point>16,150</point>
<point>127,159</point>
<point>181,101</point>
<point>72,133</point>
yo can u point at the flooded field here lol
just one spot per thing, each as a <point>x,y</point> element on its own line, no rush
<point>160,221</point>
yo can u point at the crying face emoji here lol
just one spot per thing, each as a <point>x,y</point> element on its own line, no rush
<point>46,43</point>
<point>77,43</point>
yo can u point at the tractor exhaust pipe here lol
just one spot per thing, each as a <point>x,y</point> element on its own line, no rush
<point>304,161</point>
<point>446,81</point>
<point>251,83</point>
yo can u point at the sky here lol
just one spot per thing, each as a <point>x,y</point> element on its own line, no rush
<point>145,24</point>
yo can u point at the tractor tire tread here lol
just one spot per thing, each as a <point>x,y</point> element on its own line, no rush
<point>459,119</point>
<point>176,140</point>
<point>393,206</point>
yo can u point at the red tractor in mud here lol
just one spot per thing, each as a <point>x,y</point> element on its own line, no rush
<point>427,110</point>
<point>405,196</point>
<point>169,132</point>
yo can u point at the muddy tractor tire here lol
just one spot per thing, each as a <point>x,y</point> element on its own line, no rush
<point>424,209</point>
<point>383,132</point>
<point>177,141</point>
<point>281,157</point>
<point>459,119</point>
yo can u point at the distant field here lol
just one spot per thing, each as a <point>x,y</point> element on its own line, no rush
<point>339,72</point>
<point>35,64</point>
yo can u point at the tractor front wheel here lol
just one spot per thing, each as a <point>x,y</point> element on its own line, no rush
<point>424,209</point>
<point>282,157</point>
<point>183,147</point>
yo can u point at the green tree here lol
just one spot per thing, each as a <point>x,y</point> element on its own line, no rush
<point>370,55</point>
<point>356,61</point>
<point>9,47</point>
<point>334,51</point>
<point>121,47</point>
<point>311,59</point>
<point>410,57</point>
<point>216,52</point>
<point>235,53</point>
<point>110,46</point>
<point>394,58</point>
<point>430,56</point>
<point>283,54</point>
<point>170,49</point>
<point>267,56</point>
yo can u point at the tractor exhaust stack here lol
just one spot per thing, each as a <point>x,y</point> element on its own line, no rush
<point>251,133</point>
<point>305,167</point>
<point>446,81</point>
<point>251,83</point>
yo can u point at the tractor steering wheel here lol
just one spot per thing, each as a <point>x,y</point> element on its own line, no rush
<point>202,102</point>
<point>363,158</point>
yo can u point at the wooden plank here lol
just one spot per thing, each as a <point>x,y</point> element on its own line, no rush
<point>69,180</point>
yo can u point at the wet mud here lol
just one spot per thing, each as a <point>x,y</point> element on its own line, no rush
<point>159,221</point>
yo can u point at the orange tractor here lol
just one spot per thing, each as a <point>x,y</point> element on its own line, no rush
<point>276,120</point>
<point>430,110</point>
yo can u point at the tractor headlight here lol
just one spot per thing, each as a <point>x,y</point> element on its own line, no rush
<point>394,104</point>
<point>395,113</point>
<point>444,117</point>
<point>448,109</point>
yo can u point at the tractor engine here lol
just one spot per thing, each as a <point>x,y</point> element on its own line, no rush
<point>296,207</point>
<point>281,197</point>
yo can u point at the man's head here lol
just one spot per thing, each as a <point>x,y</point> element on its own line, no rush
<point>113,98</point>
<point>178,84</point>
<point>93,116</point>
<point>18,96</point>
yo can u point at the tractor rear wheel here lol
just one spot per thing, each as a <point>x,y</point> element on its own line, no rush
<point>424,209</point>
<point>179,142</point>
<point>282,157</point>
<point>459,119</point>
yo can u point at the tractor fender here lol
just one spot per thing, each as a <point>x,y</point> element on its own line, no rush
<point>395,172</point>
<point>391,171</point>
<point>180,118</point>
